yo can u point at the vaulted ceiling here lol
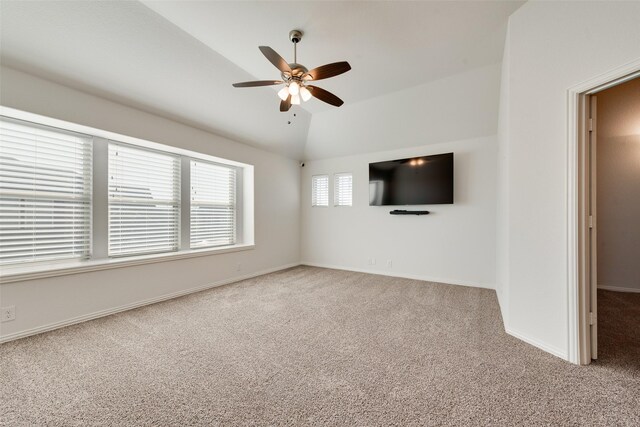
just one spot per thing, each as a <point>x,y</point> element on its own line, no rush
<point>179,58</point>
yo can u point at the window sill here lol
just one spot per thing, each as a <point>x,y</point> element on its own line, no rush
<point>22,273</point>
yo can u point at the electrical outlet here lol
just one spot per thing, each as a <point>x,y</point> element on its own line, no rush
<point>372,261</point>
<point>238,267</point>
<point>8,313</point>
<point>389,263</point>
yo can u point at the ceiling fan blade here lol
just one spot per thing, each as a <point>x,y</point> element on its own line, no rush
<point>286,104</point>
<point>258,83</point>
<point>329,70</point>
<point>275,59</point>
<point>325,96</point>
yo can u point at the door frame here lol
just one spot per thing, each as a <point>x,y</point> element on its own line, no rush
<point>578,260</point>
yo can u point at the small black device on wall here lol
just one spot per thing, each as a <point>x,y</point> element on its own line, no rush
<point>426,180</point>
<point>403,212</point>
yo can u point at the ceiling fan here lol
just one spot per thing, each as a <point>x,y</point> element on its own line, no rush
<point>296,77</point>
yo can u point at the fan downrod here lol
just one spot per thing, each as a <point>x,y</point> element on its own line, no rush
<point>297,70</point>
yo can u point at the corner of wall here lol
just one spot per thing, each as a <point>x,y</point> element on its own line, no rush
<point>502,230</point>
<point>562,354</point>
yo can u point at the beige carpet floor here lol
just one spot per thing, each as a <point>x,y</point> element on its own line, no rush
<point>310,346</point>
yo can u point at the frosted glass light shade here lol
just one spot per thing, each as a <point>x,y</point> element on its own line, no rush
<point>294,88</point>
<point>305,94</point>
<point>283,93</point>
<point>295,99</point>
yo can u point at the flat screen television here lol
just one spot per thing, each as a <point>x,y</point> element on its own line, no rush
<point>426,180</point>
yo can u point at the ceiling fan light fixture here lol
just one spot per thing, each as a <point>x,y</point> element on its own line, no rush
<point>305,93</point>
<point>294,88</point>
<point>296,76</point>
<point>283,93</point>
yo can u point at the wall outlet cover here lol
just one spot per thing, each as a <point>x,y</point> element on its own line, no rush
<point>8,313</point>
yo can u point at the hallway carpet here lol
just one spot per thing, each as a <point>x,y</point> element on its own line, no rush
<point>311,346</point>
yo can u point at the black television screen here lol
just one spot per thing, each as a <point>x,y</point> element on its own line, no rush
<point>424,180</point>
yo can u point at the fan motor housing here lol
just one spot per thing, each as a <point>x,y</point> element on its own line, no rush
<point>297,70</point>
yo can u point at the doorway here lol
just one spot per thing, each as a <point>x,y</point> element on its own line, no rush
<point>608,220</point>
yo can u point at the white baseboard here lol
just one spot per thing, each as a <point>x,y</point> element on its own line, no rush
<point>109,311</point>
<point>102,313</point>
<point>398,274</point>
<point>542,346</point>
<point>619,288</point>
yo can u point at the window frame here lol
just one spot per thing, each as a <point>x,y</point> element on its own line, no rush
<point>87,198</point>
<point>237,204</point>
<point>177,202</point>
<point>99,259</point>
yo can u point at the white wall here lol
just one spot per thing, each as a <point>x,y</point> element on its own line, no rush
<point>618,186</point>
<point>458,107</point>
<point>454,244</point>
<point>56,300</point>
<point>552,46</point>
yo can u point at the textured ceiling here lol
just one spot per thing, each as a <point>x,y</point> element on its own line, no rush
<point>179,58</point>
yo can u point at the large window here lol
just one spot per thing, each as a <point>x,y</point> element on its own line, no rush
<point>45,193</point>
<point>96,195</point>
<point>144,201</point>
<point>213,205</point>
<point>320,190</point>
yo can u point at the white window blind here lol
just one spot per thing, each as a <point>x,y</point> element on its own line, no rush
<point>320,190</point>
<point>45,193</point>
<point>144,201</point>
<point>343,189</point>
<point>213,205</point>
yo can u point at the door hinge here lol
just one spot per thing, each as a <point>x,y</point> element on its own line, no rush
<point>590,221</point>
<point>590,125</point>
<point>592,318</point>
